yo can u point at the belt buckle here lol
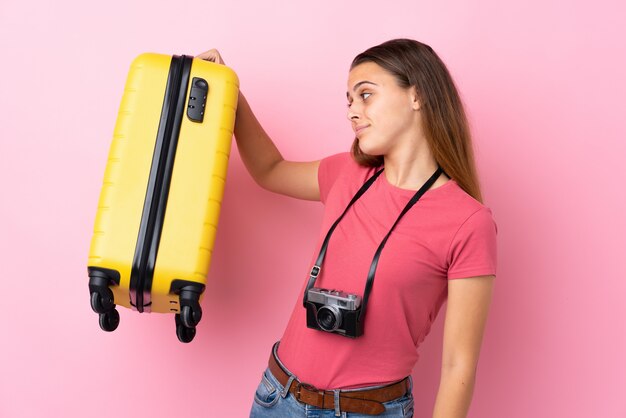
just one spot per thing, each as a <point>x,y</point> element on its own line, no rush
<point>311,388</point>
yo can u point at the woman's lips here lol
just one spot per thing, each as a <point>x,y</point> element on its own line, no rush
<point>360,129</point>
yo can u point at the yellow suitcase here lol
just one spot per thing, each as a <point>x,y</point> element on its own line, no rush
<point>163,185</point>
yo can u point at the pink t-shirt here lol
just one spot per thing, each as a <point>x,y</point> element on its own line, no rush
<point>446,235</point>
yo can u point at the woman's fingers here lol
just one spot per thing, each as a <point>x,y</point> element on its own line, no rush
<point>211,55</point>
<point>207,55</point>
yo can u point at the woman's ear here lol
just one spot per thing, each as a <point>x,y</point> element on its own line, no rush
<point>415,100</point>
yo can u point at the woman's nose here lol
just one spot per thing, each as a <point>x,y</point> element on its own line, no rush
<point>352,115</point>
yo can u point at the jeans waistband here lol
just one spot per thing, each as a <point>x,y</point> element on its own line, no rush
<point>365,400</point>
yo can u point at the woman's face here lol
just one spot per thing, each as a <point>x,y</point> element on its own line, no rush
<point>385,111</point>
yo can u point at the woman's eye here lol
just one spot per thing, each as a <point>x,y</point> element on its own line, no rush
<point>361,95</point>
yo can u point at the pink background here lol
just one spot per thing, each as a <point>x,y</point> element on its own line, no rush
<point>544,87</point>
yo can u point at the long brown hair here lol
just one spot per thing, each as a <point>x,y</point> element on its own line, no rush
<point>445,124</point>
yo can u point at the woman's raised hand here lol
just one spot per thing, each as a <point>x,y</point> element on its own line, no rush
<point>261,157</point>
<point>212,55</point>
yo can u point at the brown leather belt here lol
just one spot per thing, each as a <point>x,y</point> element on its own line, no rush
<point>367,401</point>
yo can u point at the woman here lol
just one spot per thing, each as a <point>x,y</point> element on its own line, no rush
<point>403,220</point>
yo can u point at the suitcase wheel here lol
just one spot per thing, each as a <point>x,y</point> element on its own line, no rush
<point>189,316</point>
<point>102,301</point>
<point>185,334</point>
<point>109,320</point>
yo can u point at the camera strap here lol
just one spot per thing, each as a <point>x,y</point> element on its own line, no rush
<point>315,271</point>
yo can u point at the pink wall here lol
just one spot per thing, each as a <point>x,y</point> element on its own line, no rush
<point>544,85</point>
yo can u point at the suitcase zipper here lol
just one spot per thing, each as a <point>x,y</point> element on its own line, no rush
<point>159,180</point>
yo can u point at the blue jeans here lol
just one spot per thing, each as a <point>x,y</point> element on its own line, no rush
<point>271,401</point>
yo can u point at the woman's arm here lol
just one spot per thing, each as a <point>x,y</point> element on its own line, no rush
<point>466,315</point>
<point>264,162</point>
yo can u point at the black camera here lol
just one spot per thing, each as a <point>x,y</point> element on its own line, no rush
<point>334,311</point>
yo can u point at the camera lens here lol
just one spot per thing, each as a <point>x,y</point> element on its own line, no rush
<point>328,318</point>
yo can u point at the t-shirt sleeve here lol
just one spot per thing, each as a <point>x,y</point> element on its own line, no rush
<point>473,250</point>
<point>329,170</point>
